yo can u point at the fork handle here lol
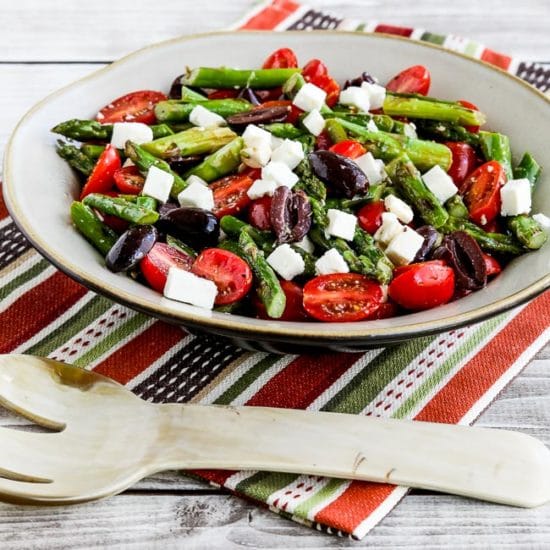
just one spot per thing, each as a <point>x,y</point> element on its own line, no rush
<point>494,465</point>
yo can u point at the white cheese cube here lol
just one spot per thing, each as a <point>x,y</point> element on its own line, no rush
<point>261,188</point>
<point>341,224</point>
<point>306,244</point>
<point>130,131</point>
<point>377,94</point>
<point>331,262</point>
<point>201,116</point>
<point>356,97</point>
<point>516,197</point>
<point>389,229</point>
<point>275,142</point>
<point>186,287</point>
<point>403,248</point>
<point>280,173</point>
<point>197,195</point>
<point>195,179</point>
<point>410,130</point>
<point>289,152</point>
<point>440,183</point>
<point>314,122</point>
<point>371,126</point>
<point>372,168</point>
<point>286,262</point>
<point>256,157</point>
<point>543,220</point>
<point>400,208</point>
<point>254,136</point>
<point>309,97</point>
<point>128,162</point>
<point>158,184</point>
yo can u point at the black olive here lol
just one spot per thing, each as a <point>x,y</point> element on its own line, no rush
<point>340,172</point>
<point>290,215</point>
<point>196,227</point>
<point>432,239</point>
<point>182,164</point>
<point>260,115</point>
<point>175,88</point>
<point>131,247</point>
<point>365,77</point>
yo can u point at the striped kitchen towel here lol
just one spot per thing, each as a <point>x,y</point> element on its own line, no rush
<point>450,377</point>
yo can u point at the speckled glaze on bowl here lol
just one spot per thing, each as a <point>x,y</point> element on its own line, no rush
<point>39,186</point>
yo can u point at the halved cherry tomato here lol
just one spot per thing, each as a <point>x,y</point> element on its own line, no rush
<point>232,275</point>
<point>330,86</point>
<point>414,80</point>
<point>223,94</point>
<point>294,113</point>
<point>102,177</point>
<point>230,194</point>
<point>283,58</point>
<point>314,69</point>
<point>294,309</point>
<point>423,286</point>
<point>482,192</point>
<point>160,259</point>
<point>134,107</point>
<point>370,216</point>
<point>468,105</point>
<point>464,161</point>
<point>253,173</point>
<point>323,141</point>
<point>259,213</point>
<point>491,265</point>
<point>348,148</point>
<point>342,297</point>
<point>129,180</point>
<point>386,311</point>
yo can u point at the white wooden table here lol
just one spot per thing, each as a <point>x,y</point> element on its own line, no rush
<point>45,44</point>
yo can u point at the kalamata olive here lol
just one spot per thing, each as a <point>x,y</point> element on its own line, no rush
<point>432,239</point>
<point>175,88</point>
<point>131,247</point>
<point>260,115</point>
<point>181,164</point>
<point>194,226</point>
<point>463,254</point>
<point>166,207</point>
<point>340,172</point>
<point>249,95</point>
<point>365,77</point>
<point>290,215</point>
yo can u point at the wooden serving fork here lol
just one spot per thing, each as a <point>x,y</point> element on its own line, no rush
<point>106,438</point>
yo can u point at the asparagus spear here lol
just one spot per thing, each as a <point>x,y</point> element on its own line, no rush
<point>318,212</point>
<point>408,181</point>
<point>445,131</point>
<point>161,130</point>
<point>371,255</point>
<point>309,182</point>
<point>268,287</point>
<point>284,130</point>
<point>416,106</point>
<point>455,207</point>
<point>384,123</point>
<point>335,130</point>
<point>122,208</point>
<point>309,261</point>
<point>84,130</point>
<point>374,193</point>
<point>528,231</point>
<point>495,146</point>
<point>220,163</point>
<point>174,110</point>
<point>95,231</point>
<point>528,168</point>
<point>223,77</point>
<point>75,157</point>
<point>149,203</point>
<point>180,245</point>
<point>92,151</point>
<point>234,227</point>
<point>191,96</point>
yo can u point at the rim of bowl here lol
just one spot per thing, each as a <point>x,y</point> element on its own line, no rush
<point>233,323</point>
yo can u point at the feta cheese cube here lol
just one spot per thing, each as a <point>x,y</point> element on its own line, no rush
<point>440,183</point>
<point>372,168</point>
<point>289,152</point>
<point>341,224</point>
<point>261,188</point>
<point>356,97</point>
<point>515,196</point>
<point>410,130</point>
<point>186,287</point>
<point>254,136</point>
<point>130,131</point>
<point>400,208</point>
<point>331,262</point>
<point>280,173</point>
<point>195,179</point>
<point>158,184</point>
<point>543,220</point>
<point>275,142</point>
<point>389,229</point>
<point>286,262</point>
<point>257,156</point>
<point>197,195</point>
<point>377,94</point>
<point>314,122</point>
<point>371,126</point>
<point>306,244</point>
<point>200,116</point>
<point>404,247</point>
<point>309,97</point>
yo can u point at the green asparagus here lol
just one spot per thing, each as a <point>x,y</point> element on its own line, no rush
<point>233,227</point>
<point>455,207</point>
<point>92,151</point>
<point>121,208</point>
<point>335,130</point>
<point>220,163</point>
<point>75,157</point>
<point>149,203</point>
<point>224,77</point>
<point>161,130</point>
<point>191,96</point>
<point>528,168</point>
<point>495,146</point>
<point>84,130</point>
<point>284,130</point>
<point>445,131</point>
<point>528,231</point>
<point>309,182</point>
<point>174,110</point>
<point>95,231</point>
<point>180,245</point>
<point>371,255</point>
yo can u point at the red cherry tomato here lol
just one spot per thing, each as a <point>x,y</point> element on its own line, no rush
<point>294,309</point>
<point>423,286</point>
<point>259,213</point>
<point>342,297</point>
<point>464,161</point>
<point>223,94</point>
<point>129,180</point>
<point>314,69</point>
<point>491,265</point>
<point>102,177</point>
<point>230,194</point>
<point>482,192</point>
<point>348,148</point>
<point>386,310</point>
<point>330,86</point>
<point>134,107</point>
<point>232,275</point>
<point>468,105</point>
<point>253,173</point>
<point>370,216</point>
<point>160,259</point>
<point>294,113</point>
<point>414,80</point>
<point>283,58</point>
<point>323,141</point>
